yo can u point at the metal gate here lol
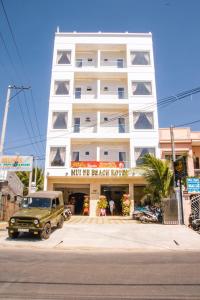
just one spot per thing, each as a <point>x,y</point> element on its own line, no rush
<point>195,207</point>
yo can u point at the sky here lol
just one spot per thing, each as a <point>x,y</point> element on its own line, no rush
<point>26,56</point>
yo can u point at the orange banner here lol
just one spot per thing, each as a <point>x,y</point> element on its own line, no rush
<point>97,164</point>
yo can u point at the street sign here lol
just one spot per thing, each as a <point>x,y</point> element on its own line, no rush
<point>193,185</point>
<point>16,163</point>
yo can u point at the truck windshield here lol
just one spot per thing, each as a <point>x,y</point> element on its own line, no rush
<point>36,202</point>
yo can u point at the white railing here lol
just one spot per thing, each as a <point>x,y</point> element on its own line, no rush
<point>113,63</point>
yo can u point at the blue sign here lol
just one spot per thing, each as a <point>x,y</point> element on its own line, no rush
<point>193,185</point>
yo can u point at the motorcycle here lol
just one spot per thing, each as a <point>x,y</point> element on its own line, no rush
<point>152,216</point>
<point>67,214</point>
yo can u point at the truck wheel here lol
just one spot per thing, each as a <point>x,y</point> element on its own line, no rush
<point>61,222</point>
<point>13,235</point>
<point>45,234</point>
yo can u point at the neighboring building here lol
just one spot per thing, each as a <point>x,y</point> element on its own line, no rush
<point>10,188</point>
<point>186,142</point>
<point>102,116</point>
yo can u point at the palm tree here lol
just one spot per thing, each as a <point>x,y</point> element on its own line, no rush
<point>159,177</point>
<point>24,177</point>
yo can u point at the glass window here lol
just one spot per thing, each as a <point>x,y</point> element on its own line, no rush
<point>140,58</point>
<point>196,163</point>
<point>141,88</point>
<point>77,93</point>
<point>63,57</point>
<point>75,156</point>
<point>140,152</point>
<point>143,120</point>
<point>105,153</point>
<point>79,62</point>
<point>61,88</point>
<point>59,120</point>
<point>120,92</point>
<point>57,156</point>
<point>121,125</point>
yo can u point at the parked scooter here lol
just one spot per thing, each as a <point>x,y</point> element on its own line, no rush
<point>154,215</point>
<point>67,214</point>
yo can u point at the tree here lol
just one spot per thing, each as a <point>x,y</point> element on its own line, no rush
<point>24,177</point>
<point>159,177</point>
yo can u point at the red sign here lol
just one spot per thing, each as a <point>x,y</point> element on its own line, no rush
<point>97,164</point>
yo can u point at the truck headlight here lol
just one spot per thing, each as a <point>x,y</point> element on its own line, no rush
<point>36,222</point>
<point>12,220</point>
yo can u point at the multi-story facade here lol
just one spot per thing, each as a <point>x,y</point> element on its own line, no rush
<point>102,116</point>
<point>186,143</point>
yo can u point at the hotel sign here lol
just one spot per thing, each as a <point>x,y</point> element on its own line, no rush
<point>100,172</point>
<point>16,163</point>
<point>97,164</point>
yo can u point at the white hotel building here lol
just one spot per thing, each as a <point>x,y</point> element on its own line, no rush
<point>102,116</point>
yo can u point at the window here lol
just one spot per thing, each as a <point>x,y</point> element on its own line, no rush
<point>79,63</point>
<point>140,152</point>
<point>143,120</point>
<point>87,119</point>
<point>105,119</point>
<point>75,156</point>
<point>61,87</point>
<point>90,59</point>
<point>122,156</point>
<point>77,124</point>
<point>105,153</point>
<point>120,63</point>
<point>63,57</point>
<point>57,202</point>
<point>57,156</point>
<point>59,120</point>
<point>105,88</point>
<point>120,93</point>
<point>87,153</point>
<point>196,163</point>
<point>141,88</point>
<point>121,125</point>
<point>77,93</point>
<point>140,58</point>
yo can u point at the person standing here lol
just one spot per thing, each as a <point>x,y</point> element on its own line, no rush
<point>111,206</point>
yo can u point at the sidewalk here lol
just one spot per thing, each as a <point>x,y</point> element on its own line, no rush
<point>128,236</point>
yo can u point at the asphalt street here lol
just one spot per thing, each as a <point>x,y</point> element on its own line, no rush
<point>64,274</point>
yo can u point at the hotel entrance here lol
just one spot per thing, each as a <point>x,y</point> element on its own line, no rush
<point>74,196</point>
<point>115,193</point>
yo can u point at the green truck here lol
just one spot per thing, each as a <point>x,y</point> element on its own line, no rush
<point>38,214</point>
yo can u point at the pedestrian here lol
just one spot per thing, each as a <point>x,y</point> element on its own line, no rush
<point>111,206</point>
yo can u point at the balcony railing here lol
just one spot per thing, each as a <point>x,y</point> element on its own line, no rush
<point>85,63</point>
<point>117,63</point>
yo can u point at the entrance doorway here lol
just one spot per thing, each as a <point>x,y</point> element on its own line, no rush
<point>115,193</point>
<point>74,196</point>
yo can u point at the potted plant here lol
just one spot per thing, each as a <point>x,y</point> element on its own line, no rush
<point>86,205</point>
<point>126,205</point>
<point>102,204</point>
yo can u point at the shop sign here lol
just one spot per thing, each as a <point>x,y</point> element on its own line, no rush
<point>16,163</point>
<point>99,172</point>
<point>193,185</point>
<point>97,164</point>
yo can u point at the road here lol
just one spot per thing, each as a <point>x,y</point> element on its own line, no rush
<point>59,274</point>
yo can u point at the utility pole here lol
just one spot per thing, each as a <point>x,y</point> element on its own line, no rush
<point>178,193</point>
<point>5,117</point>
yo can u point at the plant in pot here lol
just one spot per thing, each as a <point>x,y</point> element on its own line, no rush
<point>126,205</point>
<point>102,205</point>
<point>86,205</point>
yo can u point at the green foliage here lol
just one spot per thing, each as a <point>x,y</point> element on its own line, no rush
<point>24,177</point>
<point>102,202</point>
<point>159,177</point>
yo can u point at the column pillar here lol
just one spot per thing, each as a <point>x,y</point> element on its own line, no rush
<point>94,197</point>
<point>131,193</point>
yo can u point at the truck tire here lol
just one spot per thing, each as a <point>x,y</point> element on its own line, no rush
<point>13,235</point>
<point>45,233</point>
<point>61,222</point>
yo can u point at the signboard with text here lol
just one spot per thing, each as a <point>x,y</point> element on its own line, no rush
<point>97,164</point>
<point>16,163</point>
<point>193,185</point>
